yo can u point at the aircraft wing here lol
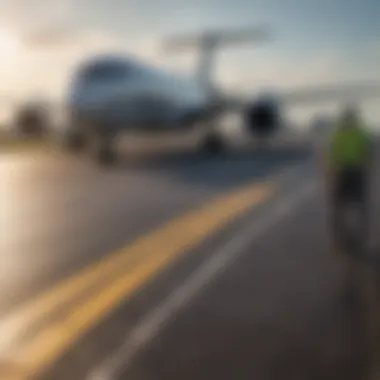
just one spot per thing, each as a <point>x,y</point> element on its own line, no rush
<point>305,96</point>
<point>345,92</point>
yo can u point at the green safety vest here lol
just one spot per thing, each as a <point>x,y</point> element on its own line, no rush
<point>350,147</point>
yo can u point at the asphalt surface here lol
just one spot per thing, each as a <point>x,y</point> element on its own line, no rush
<point>59,213</point>
<point>286,307</point>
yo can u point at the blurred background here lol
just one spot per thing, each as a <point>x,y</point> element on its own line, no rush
<point>197,259</point>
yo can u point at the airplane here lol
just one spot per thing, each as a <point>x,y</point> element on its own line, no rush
<point>111,94</point>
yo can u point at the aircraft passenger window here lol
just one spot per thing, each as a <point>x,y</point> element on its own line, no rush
<point>105,72</point>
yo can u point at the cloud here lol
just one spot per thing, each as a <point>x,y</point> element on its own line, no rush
<point>290,72</point>
<point>40,23</point>
<point>37,13</point>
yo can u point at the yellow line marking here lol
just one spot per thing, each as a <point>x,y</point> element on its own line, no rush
<point>10,145</point>
<point>160,247</point>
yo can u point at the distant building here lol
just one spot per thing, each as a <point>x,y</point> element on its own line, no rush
<point>32,120</point>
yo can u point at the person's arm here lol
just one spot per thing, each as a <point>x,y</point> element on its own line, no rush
<point>328,168</point>
<point>330,149</point>
<point>371,151</point>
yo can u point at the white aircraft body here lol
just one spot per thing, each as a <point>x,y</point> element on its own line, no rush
<point>116,90</point>
<point>111,94</point>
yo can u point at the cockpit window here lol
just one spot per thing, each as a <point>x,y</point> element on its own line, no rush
<point>105,71</point>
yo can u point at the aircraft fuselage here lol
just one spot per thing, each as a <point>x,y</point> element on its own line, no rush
<point>125,94</point>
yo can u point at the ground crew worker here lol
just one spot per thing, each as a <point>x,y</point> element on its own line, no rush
<point>350,157</point>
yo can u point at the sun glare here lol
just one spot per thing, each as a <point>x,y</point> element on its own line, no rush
<point>9,43</point>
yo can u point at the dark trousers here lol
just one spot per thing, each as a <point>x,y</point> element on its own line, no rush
<point>350,185</point>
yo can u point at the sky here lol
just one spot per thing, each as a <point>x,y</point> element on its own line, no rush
<point>313,42</point>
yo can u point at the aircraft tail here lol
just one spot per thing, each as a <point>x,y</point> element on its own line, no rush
<point>207,42</point>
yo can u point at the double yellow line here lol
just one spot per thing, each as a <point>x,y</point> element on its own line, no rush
<point>49,325</point>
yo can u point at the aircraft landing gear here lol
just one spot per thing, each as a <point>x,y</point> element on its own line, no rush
<point>104,150</point>
<point>213,144</point>
<point>75,142</point>
<point>98,141</point>
<point>105,155</point>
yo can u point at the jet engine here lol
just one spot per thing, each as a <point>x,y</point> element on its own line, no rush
<point>262,117</point>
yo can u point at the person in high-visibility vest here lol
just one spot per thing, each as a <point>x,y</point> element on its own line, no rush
<point>349,162</point>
